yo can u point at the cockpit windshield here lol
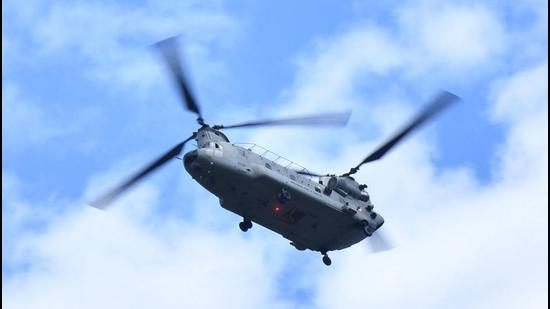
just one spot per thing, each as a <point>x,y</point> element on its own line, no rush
<point>220,134</point>
<point>213,145</point>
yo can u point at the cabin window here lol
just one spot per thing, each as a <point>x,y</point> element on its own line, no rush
<point>317,189</point>
<point>267,165</point>
<point>292,177</point>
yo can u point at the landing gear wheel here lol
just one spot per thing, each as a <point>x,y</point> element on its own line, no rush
<point>326,260</point>
<point>245,225</point>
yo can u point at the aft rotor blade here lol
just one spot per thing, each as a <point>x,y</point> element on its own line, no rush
<point>308,173</point>
<point>170,52</point>
<point>326,119</point>
<point>107,198</point>
<point>439,103</point>
<point>380,242</point>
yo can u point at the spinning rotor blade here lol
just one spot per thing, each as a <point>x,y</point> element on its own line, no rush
<point>328,119</point>
<point>379,242</point>
<point>440,102</point>
<point>170,53</point>
<point>103,201</point>
<point>308,173</point>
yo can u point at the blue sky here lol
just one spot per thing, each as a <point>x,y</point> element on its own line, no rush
<point>86,101</point>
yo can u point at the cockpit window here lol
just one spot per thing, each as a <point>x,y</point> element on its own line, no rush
<point>214,145</point>
<point>220,134</point>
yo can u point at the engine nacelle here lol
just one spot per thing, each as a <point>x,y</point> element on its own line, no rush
<point>346,186</point>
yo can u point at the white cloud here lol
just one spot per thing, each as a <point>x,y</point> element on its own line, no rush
<point>457,239</point>
<point>461,244</point>
<point>330,75</point>
<point>457,36</point>
<point>26,121</point>
<point>476,246</point>
<point>109,43</point>
<point>88,258</point>
<point>21,218</point>
<point>113,41</point>
<point>522,101</point>
<point>520,95</point>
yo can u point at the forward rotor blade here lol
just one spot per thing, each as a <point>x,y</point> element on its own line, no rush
<point>103,201</point>
<point>170,53</point>
<point>326,119</point>
<point>439,103</point>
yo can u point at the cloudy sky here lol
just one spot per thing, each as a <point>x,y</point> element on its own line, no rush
<point>85,102</point>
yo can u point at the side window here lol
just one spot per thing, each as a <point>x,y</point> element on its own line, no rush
<point>267,165</point>
<point>292,177</point>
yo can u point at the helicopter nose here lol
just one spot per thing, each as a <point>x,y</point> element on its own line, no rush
<point>190,157</point>
<point>374,222</point>
<point>192,163</point>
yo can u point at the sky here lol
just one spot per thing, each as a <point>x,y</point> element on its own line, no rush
<point>86,102</point>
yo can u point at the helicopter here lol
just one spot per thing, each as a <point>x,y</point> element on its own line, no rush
<point>319,212</point>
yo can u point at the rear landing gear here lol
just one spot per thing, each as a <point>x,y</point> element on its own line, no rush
<point>245,225</point>
<point>326,259</point>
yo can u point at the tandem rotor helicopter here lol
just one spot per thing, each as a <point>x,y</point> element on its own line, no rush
<point>316,212</point>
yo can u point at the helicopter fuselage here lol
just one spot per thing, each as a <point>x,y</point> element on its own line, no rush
<point>331,213</point>
<point>275,196</point>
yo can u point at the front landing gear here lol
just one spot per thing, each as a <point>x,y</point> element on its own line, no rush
<point>245,225</point>
<point>326,259</point>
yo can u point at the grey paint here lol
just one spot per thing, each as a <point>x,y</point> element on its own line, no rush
<point>248,184</point>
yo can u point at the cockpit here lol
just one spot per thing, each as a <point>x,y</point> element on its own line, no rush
<point>206,136</point>
<point>214,145</point>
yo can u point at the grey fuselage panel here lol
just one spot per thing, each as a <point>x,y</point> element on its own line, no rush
<point>249,185</point>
